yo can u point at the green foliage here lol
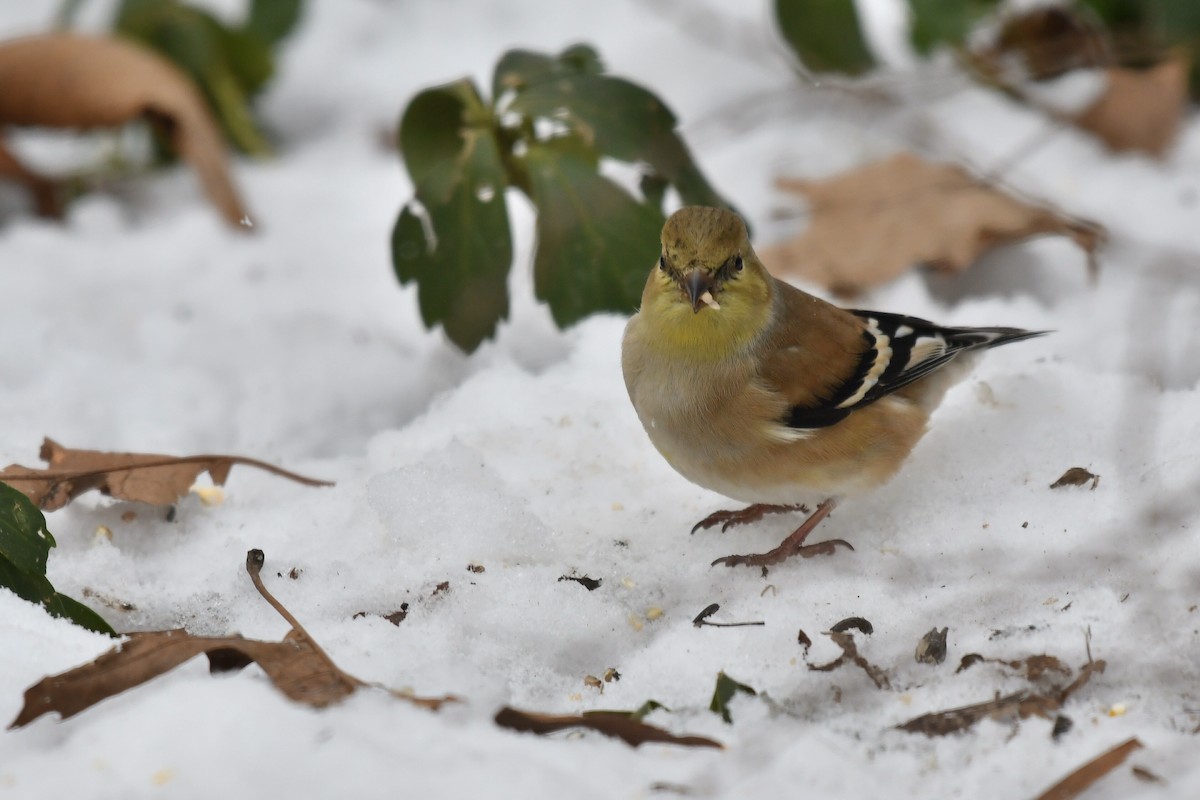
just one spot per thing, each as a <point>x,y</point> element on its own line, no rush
<point>231,65</point>
<point>724,693</point>
<point>826,35</point>
<point>460,252</point>
<point>548,124</point>
<point>24,549</point>
<point>638,713</point>
<point>936,22</point>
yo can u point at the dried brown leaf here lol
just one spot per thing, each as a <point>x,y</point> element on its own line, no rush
<point>873,223</point>
<point>293,666</point>
<point>70,81</point>
<point>1076,476</point>
<point>1141,109</point>
<point>1081,779</point>
<point>298,666</point>
<point>141,477</point>
<point>630,730</point>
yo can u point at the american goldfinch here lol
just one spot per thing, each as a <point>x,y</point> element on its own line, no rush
<point>751,388</point>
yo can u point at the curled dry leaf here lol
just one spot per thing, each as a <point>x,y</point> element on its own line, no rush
<point>70,81</point>
<point>850,653</point>
<point>931,649</point>
<point>622,726</point>
<point>873,223</point>
<point>141,477</point>
<point>1140,109</point>
<point>298,666</point>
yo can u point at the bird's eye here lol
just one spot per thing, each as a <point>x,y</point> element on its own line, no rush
<point>737,263</point>
<point>662,263</point>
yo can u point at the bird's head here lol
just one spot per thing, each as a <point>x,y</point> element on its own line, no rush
<point>708,282</point>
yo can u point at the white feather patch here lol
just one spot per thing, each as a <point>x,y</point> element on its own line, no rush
<point>883,357</point>
<point>925,349</point>
<point>785,434</point>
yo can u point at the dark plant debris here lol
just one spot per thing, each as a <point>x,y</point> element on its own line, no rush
<point>857,623</point>
<point>1082,779</point>
<point>1004,633</point>
<point>1034,666</point>
<point>1062,725</point>
<point>1076,476</point>
<point>625,727</point>
<point>441,588</point>
<point>701,619</point>
<point>591,584</point>
<point>850,653</point>
<point>476,568</point>
<point>932,647</point>
<point>1145,775</point>
<point>1017,706</point>
<point>803,640</point>
<point>611,675</point>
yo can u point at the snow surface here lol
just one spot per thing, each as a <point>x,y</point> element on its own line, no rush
<point>143,324</point>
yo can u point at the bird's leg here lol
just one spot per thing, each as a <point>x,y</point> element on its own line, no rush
<point>730,519</point>
<point>793,545</point>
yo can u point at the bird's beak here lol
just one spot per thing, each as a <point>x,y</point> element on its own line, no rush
<point>698,285</point>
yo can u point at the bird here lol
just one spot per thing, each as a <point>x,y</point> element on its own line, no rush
<point>763,393</point>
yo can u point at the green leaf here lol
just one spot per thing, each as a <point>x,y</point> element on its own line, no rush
<point>461,262</point>
<point>595,243</point>
<point>60,605</point>
<point>272,20</point>
<point>724,692</point>
<point>248,58</point>
<point>622,120</point>
<point>638,713</point>
<point>228,65</point>
<point>1124,14</point>
<point>825,34</point>
<point>24,540</point>
<point>517,69</point>
<point>937,22</point>
<point>24,547</point>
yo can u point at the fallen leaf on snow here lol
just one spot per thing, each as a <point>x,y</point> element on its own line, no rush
<point>298,666</point>
<point>873,223</point>
<point>1076,476</point>
<point>69,81</point>
<point>622,726</point>
<point>142,477</point>
<point>1141,109</point>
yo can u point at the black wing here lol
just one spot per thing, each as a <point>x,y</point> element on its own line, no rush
<point>901,350</point>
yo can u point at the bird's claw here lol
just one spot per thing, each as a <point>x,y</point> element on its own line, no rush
<point>782,553</point>
<point>744,516</point>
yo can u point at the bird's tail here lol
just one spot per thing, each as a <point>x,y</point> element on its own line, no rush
<point>984,338</point>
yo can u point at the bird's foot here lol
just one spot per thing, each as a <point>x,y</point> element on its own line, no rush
<point>731,519</point>
<point>784,552</point>
<point>793,545</point>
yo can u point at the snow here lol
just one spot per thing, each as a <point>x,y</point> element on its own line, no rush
<point>143,324</point>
